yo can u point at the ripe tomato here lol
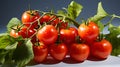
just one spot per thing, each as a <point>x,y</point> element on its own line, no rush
<point>26,33</point>
<point>101,49</point>
<point>58,51</point>
<point>63,25</point>
<point>88,32</point>
<point>74,30</point>
<point>68,35</point>
<point>14,34</point>
<point>79,52</point>
<point>48,34</point>
<point>29,17</point>
<point>40,53</point>
<point>55,20</point>
<point>45,18</point>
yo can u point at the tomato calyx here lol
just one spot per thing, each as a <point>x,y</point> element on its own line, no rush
<point>32,12</point>
<point>17,28</point>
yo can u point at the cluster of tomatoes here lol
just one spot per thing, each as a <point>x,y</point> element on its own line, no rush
<point>50,35</point>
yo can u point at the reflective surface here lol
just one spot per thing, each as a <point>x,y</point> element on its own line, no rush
<point>111,61</point>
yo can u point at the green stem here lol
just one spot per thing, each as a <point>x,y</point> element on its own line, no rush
<point>109,22</point>
<point>58,15</point>
<point>75,23</point>
<point>101,36</point>
<point>116,16</point>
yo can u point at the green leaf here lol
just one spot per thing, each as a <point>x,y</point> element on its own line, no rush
<point>11,47</point>
<point>101,13</point>
<point>114,38</point>
<point>23,54</point>
<point>7,53</point>
<point>2,55</point>
<point>74,9</point>
<point>2,34</point>
<point>7,46</point>
<point>62,12</point>
<point>13,22</point>
<point>7,58</point>
<point>6,40</point>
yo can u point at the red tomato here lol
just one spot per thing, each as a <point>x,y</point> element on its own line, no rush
<point>55,20</point>
<point>48,34</point>
<point>14,34</point>
<point>74,30</point>
<point>48,18</point>
<point>45,18</point>
<point>101,49</point>
<point>58,51</point>
<point>34,39</point>
<point>63,25</point>
<point>29,17</point>
<point>79,52</point>
<point>26,33</point>
<point>88,32</point>
<point>40,53</point>
<point>68,35</point>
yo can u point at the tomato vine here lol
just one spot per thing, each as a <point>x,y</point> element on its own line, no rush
<point>46,29</point>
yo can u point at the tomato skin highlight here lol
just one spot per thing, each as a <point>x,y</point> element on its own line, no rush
<point>48,34</point>
<point>29,17</point>
<point>79,52</point>
<point>58,51</point>
<point>40,53</point>
<point>89,32</point>
<point>101,49</point>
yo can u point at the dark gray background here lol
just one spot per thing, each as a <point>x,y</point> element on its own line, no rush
<point>15,8</point>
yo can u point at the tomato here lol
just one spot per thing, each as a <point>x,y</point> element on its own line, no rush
<point>29,17</point>
<point>40,53</point>
<point>14,33</point>
<point>49,18</point>
<point>79,52</point>
<point>68,35</point>
<point>45,18</point>
<point>55,20</point>
<point>101,49</point>
<point>74,30</point>
<point>88,32</point>
<point>34,39</point>
<point>26,33</point>
<point>63,25</point>
<point>58,51</point>
<point>48,34</point>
